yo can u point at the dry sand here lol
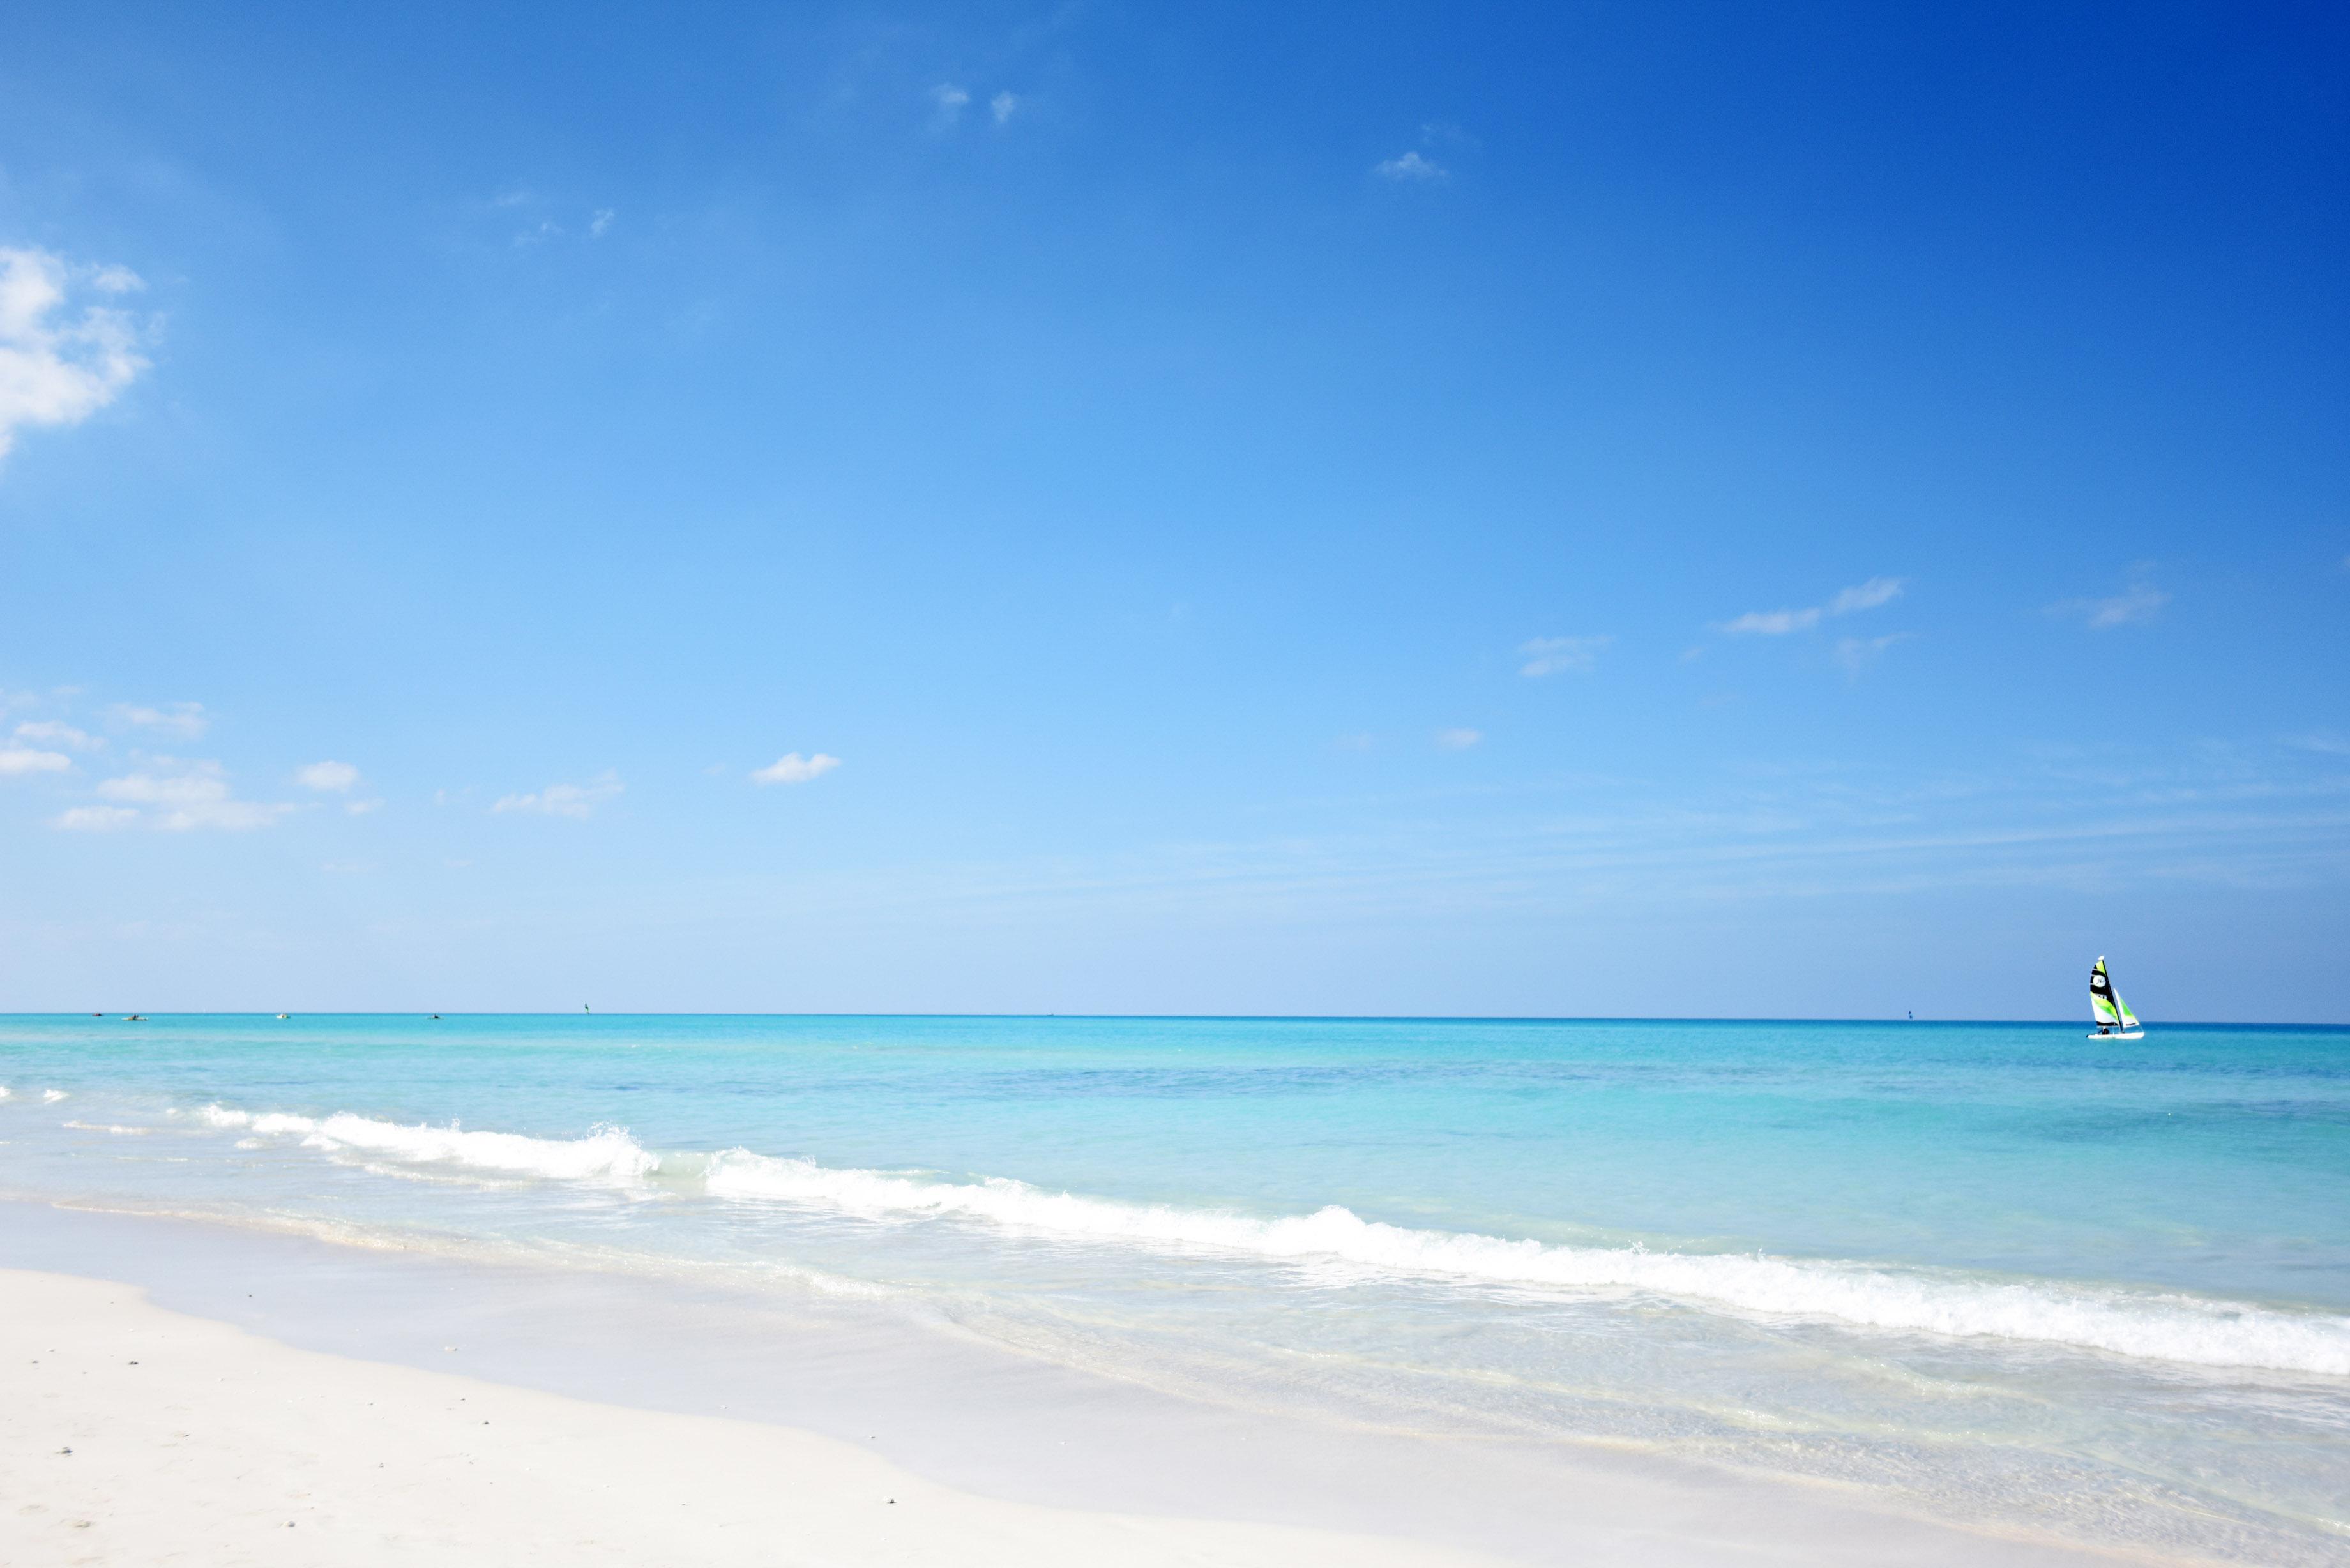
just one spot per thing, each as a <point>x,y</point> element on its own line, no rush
<point>133,1435</point>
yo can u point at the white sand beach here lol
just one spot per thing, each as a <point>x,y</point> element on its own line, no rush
<point>133,1435</point>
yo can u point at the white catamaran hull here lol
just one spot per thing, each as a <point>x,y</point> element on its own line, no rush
<point>2117,1034</point>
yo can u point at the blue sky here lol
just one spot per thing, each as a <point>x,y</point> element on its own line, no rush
<point>1570,509</point>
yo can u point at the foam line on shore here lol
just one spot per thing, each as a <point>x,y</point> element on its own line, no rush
<point>2141,1324</point>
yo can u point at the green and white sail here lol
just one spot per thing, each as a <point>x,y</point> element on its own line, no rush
<point>2106,1008</point>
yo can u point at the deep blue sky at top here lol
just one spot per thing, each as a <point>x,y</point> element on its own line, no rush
<point>1147,447</point>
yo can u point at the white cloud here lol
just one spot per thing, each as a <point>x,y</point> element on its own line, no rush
<point>185,795</point>
<point>1771,623</point>
<point>361,807</point>
<point>58,735</point>
<point>1550,655</point>
<point>95,818</point>
<point>1411,168</point>
<point>1003,106</point>
<point>335,776</point>
<point>57,367</point>
<point>793,768</point>
<point>1866,596</point>
<point>15,761</point>
<point>1457,740</point>
<point>1779,623</point>
<point>577,802</point>
<point>599,223</point>
<point>1856,653</point>
<point>951,101</point>
<point>184,719</point>
<point>2142,601</point>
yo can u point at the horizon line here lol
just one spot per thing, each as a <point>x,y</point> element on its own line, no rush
<point>1185,1017</point>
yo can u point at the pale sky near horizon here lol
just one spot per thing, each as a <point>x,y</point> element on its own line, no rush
<point>1569,510</point>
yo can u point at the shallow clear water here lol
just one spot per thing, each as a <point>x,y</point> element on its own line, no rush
<point>2005,1273</point>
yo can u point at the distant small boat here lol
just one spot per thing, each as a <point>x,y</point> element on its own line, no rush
<point>282,1015</point>
<point>134,1018</point>
<point>2111,1014</point>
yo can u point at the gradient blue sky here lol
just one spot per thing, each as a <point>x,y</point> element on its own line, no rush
<point>1817,510</point>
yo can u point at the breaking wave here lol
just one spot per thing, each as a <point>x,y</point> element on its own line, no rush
<point>607,1154</point>
<point>2168,1327</point>
<point>2145,1324</point>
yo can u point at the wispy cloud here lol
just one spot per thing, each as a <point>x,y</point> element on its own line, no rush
<point>186,720</point>
<point>1856,653</point>
<point>952,100</point>
<point>1781,622</point>
<point>58,367</point>
<point>1415,167</point>
<point>337,778</point>
<point>1866,596</point>
<point>543,220</point>
<point>1556,655</point>
<point>1771,623</point>
<point>2139,603</point>
<point>577,802</point>
<point>793,768</point>
<point>94,818</point>
<point>1411,168</point>
<point>1457,740</point>
<point>177,796</point>
<point>56,732</point>
<point>1003,106</point>
<point>16,761</point>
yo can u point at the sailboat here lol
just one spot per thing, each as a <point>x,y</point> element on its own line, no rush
<point>2114,1019</point>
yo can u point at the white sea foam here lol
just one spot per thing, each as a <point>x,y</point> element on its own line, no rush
<point>606,1154</point>
<point>51,1096</point>
<point>2166,1326</point>
<point>3,1090</point>
<point>109,1128</point>
<point>266,1122</point>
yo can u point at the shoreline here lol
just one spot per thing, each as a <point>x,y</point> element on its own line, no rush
<point>984,1428</point>
<point>211,1445</point>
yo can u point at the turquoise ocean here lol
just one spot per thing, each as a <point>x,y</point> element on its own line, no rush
<point>1997,1273</point>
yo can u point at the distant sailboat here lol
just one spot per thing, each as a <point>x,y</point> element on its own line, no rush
<point>2112,1015</point>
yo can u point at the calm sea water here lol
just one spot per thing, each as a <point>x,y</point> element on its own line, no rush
<point>2003,1273</point>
